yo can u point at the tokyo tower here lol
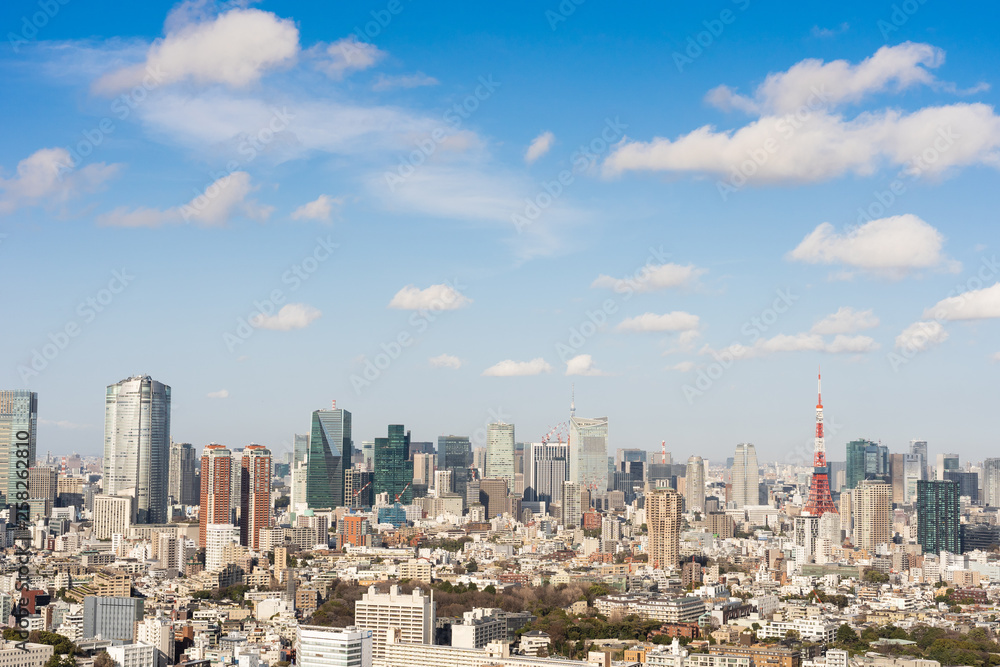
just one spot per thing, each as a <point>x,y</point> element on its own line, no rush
<point>820,500</point>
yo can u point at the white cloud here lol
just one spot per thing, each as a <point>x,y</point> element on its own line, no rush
<point>582,364</point>
<point>540,145</point>
<point>291,316</point>
<point>920,336</point>
<point>416,80</point>
<point>222,393</point>
<point>234,48</point>
<point>511,368</point>
<point>799,137</point>
<point>346,55</point>
<point>650,278</point>
<point>445,361</point>
<point>223,200</point>
<point>838,82</point>
<point>682,367</point>
<point>892,245</point>
<point>845,320</point>
<point>830,32</point>
<point>435,297</point>
<point>674,321</point>
<point>320,208</point>
<point>65,424</point>
<point>995,357</point>
<point>47,176</point>
<point>972,305</point>
<point>801,342</point>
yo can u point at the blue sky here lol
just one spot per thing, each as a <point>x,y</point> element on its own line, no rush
<point>736,203</point>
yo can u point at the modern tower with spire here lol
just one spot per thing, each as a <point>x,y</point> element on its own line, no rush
<point>820,501</point>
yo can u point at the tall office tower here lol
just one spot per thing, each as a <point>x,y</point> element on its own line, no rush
<point>443,483</point>
<point>255,483</point>
<point>216,488</point>
<point>968,484</point>
<point>330,446</point>
<point>414,616</point>
<point>423,469</point>
<point>872,506</point>
<point>663,518</point>
<point>820,501</point>
<point>938,512</point>
<point>991,482</point>
<point>393,470</point>
<point>300,448</point>
<point>500,452</point>
<point>572,504</point>
<point>694,484</point>
<point>111,618</point>
<point>866,460</point>
<point>112,516</point>
<point>182,482</point>
<point>493,493</point>
<point>479,460</point>
<point>321,646</point>
<point>745,475</point>
<point>219,536</point>
<point>588,453</point>
<point>454,453</point>
<point>896,469</point>
<point>919,447</point>
<point>42,483</point>
<point>137,444</point>
<point>368,454</point>
<point>625,456</point>
<point>945,463</point>
<point>18,426</point>
<point>546,467</point>
<point>912,473</point>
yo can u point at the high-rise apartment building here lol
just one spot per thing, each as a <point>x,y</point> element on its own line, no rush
<point>255,477</point>
<point>871,503</point>
<point>745,475</point>
<point>218,537</point>
<point>663,519</point>
<point>414,616</point>
<point>500,452</point>
<point>454,453</point>
<point>393,469</point>
<point>572,504</point>
<point>546,467</point>
<point>588,453</point>
<point>216,488</point>
<point>320,646</point>
<point>183,487</point>
<point>938,511</point>
<point>330,449</point>
<point>112,516</point>
<point>137,444</point>
<point>991,482</point>
<point>18,427</point>
<point>42,483</point>
<point>694,484</point>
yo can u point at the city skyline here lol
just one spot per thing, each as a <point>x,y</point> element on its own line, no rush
<point>694,259</point>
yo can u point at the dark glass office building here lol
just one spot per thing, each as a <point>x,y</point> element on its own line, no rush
<point>393,470</point>
<point>330,445</point>
<point>938,511</point>
<point>454,453</point>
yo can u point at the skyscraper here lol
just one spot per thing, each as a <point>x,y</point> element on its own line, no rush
<point>745,476</point>
<point>866,460</point>
<point>588,452</point>
<point>546,468</point>
<point>500,452</point>
<point>255,482</point>
<point>938,511</point>
<point>663,518</point>
<point>991,482</point>
<point>182,483</point>
<point>694,485</point>
<point>968,484</point>
<point>137,444</point>
<point>216,489</point>
<point>18,426</point>
<point>330,445</point>
<point>871,503</point>
<point>945,463</point>
<point>454,453</point>
<point>572,504</point>
<point>393,470</point>
<point>919,447</point>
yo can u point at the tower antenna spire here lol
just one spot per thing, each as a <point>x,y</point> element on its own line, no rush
<point>820,501</point>
<point>572,400</point>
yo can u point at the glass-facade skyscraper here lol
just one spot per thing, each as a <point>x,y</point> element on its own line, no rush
<point>393,469</point>
<point>500,453</point>
<point>866,460</point>
<point>137,445</point>
<point>545,470</point>
<point>454,453</point>
<point>183,486</point>
<point>330,449</point>
<point>588,453</point>
<point>18,425</point>
<point>745,476</point>
<point>938,511</point>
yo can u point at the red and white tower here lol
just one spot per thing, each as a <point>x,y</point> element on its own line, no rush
<point>820,501</point>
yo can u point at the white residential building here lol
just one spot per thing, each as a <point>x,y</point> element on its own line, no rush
<point>414,616</point>
<point>317,646</point>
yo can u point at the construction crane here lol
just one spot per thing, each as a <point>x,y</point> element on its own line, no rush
<point>400,494</point>
<point>558,430</point>
<point>358,492</point>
